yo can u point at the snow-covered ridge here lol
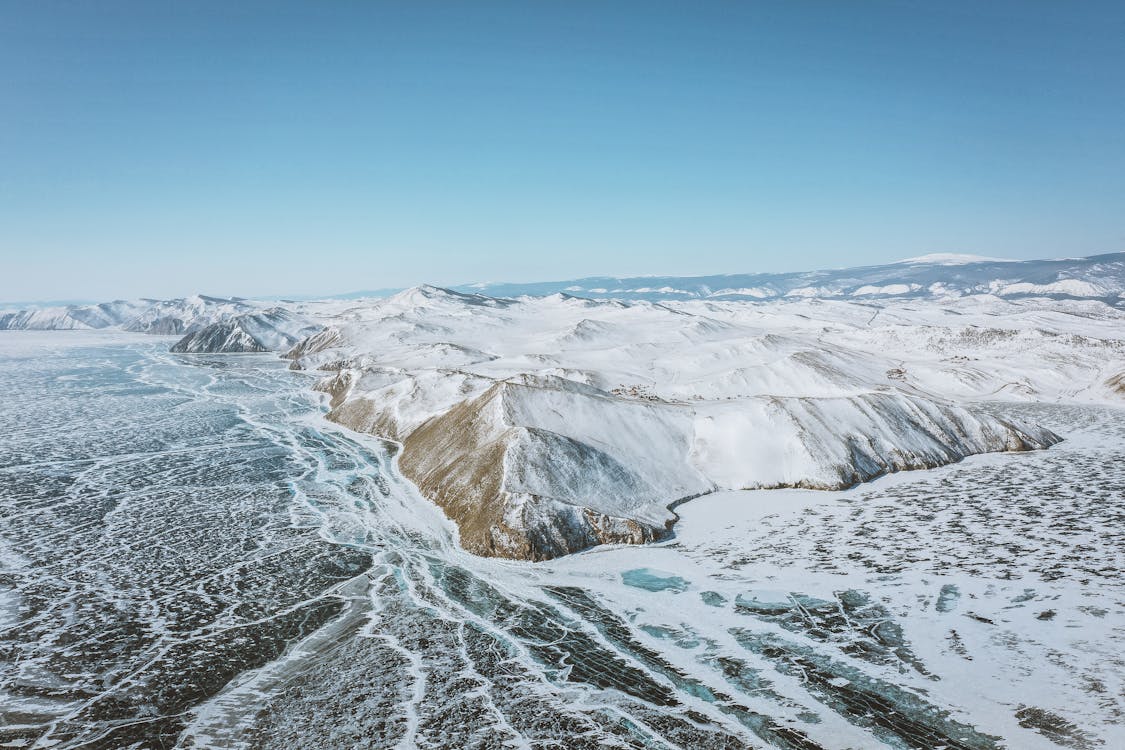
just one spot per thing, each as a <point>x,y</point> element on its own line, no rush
<point>207,324</point>
<point>935,276</point>
<point>268,330</point>
<point>544,425</point>
<point>162,317</point>
<point>71,317</point>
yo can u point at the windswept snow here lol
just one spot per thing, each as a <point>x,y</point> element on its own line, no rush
<point>71,317</point>
<point>194,558</point>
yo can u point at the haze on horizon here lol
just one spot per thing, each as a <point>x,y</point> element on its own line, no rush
<point>285,148</point>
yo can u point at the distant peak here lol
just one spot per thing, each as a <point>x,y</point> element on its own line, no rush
<point>423,293</point>
<point>426,291</point>
<point>568,298</point>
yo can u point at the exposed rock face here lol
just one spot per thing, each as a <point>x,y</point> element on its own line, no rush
<point>176,317</point>
<point>225,337</point>
<point>1116,384</point>
<point>488,468</point>
<point>544,426</point>
<point>547,425</point>
<point>834,443</point>
<point>165,326</point>
<point>537,467</point>
<point>265,331</point>
<point>318,342</point>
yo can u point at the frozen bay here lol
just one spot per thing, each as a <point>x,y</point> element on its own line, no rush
<point>190,555</point>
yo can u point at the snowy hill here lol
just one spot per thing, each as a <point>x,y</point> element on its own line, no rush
<point>180,316</point>
<point>544,425</point>
<point>71,317</point>
<point>274,329</point>
<point>207,324</point>
<point>161,317</point>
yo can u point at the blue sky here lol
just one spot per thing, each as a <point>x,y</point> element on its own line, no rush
<point>164,148</point>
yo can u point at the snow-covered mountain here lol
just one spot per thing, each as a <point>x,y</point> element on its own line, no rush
<point>544,425</point>
<point>936,276</point>
<point>207,324</point>
<point>162,317</point>
<point>176,317</point>
<point>71,317</point>
<point>273,329</point>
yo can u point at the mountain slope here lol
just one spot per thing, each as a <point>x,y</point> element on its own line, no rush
<point>547,425</point>
<point>159,317</point>
<point>71,317</point>
<point>270,330</point>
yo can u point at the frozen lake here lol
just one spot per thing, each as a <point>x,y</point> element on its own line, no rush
<point>191,556</point>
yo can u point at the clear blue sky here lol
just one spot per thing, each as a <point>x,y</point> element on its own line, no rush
<point>163,148</point>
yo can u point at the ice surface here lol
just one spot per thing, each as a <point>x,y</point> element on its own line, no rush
<point>195,558</point>
<point>653,580</point>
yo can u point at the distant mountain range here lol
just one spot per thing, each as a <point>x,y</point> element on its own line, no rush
<point>164,317</point>
<point>1099,277</point>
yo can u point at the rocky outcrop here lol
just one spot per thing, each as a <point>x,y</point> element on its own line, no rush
<point>219,338</point>
<point>537,467</point>
<point>543,426</point>
<point>835,443</point>
<point>483,465</point>
<point>269,330</point>
<point>515,490</point>
<point>1116,384</point>
<point>318,342</point>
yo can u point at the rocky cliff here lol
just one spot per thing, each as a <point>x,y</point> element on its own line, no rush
<point>537,465</point>
<point>269,330</point>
